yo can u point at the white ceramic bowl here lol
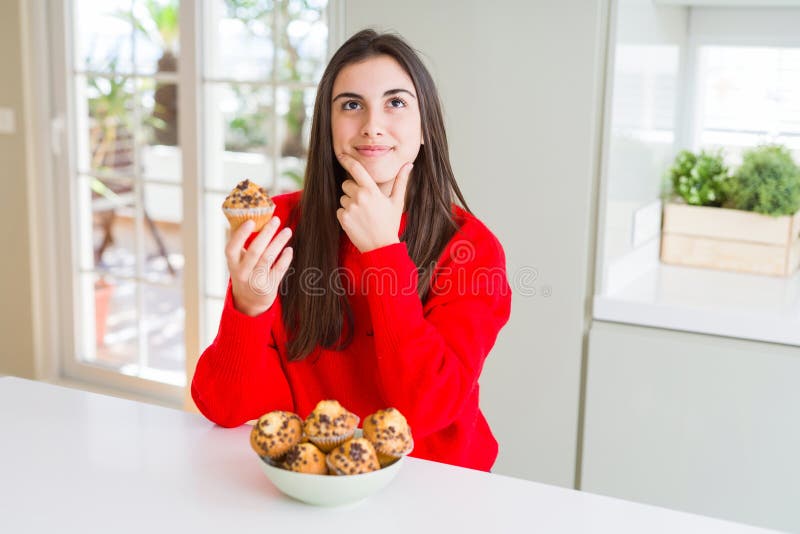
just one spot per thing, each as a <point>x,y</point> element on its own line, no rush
<point>329,490</point>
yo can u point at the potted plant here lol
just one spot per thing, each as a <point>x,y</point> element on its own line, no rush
<point>111,133</point>
<point>768,182</point>
<point>747,222</point>
<point>103,291</point>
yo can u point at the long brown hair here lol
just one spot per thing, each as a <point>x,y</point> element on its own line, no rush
<point>314,313</point>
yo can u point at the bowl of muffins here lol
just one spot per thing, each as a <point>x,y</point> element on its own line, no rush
<point>326,459</point>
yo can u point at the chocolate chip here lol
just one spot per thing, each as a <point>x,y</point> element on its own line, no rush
<point>357,451</point>
<point>293,455</point>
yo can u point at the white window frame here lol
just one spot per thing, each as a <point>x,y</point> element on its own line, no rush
<point>49,115</point>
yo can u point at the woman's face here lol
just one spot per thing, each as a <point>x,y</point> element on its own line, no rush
<point>375,117</point>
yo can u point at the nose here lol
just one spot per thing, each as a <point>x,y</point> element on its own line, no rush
<point>373,126</point>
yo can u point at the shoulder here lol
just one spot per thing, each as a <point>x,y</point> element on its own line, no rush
<point>474,239</point>
<point>472,264</point>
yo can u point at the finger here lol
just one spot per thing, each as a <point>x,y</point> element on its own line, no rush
<point>357,171</point>
<point>340,216</point>
<point>256,248</point>
<point>274,248</point>
<point>282,265</point>
<point>345,201</point>
<point>400,185</point>
<point>277,273</point>
<point>264,281</point>
<point>349,187</point>
<point>233,250</point>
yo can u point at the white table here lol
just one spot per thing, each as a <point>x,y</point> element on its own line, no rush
<point>72,461</point>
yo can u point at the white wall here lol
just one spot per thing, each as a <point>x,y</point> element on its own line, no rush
<point>519,84</point>
<point>16,328</point>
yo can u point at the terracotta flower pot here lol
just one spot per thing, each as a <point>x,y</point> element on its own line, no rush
<point>103,292</point>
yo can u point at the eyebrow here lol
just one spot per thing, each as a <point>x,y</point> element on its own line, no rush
<point>390,92</point>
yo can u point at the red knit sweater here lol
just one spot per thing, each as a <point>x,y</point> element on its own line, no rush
<point>423,359</point>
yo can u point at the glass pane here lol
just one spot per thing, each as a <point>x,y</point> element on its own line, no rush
<point>239,135</point>
<point>303,41</point>
<point>156,38</point>
<point>163,323</point>
<point>160,153</point>
<point>106,123</point>
<point>114,333</point>
<point>106,214</point>
<point>295,108</point>
<point>163,214</point>
<point>239,40</point>
<point>749,96</point>
<point>104,40</point>
<point>215,237</point>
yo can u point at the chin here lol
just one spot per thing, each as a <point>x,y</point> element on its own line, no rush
<point>382,172</point>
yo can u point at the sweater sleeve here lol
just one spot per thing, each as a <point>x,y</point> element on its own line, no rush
<point>430,358</point>
<point>239,377</point>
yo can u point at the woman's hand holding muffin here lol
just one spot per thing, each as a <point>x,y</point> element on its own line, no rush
<point>256,272</point>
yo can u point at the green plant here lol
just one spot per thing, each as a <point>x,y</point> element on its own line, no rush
<point>110,102</point>
<point>255,15</point>
<point>699,179</point>
<point>157,21</point>
<point>767,182</point>
<point>159,24</point>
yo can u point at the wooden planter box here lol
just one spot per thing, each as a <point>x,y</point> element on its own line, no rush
<point>732,240</point>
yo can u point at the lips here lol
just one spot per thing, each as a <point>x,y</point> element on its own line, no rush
<point>373,150</point>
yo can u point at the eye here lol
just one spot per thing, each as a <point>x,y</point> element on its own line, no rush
<point>351,105</point>
<point>397,102</point>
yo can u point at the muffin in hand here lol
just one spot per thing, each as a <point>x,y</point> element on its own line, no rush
<point>248,201</point>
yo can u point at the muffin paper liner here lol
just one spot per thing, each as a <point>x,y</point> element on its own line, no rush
<point>238,216</point>
<point>327,444</point>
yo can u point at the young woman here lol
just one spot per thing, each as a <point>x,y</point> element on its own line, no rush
<point>390,294</point>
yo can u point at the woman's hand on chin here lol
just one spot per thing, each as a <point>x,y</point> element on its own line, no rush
<point>370,218</point>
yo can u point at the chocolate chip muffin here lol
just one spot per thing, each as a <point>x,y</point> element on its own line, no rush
<point>390,434</point>
<point>248,201</point>
<point>353,457</point>
<point>275,433</point>
<point>305,458</point>
<point>330,425</point>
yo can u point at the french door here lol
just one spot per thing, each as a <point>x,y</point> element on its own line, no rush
<point>159,108</point>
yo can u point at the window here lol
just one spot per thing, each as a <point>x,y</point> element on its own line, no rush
<point>696,78</point>
<point>748,96</point>
<point>140,204</point>
<point>263,62</point>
